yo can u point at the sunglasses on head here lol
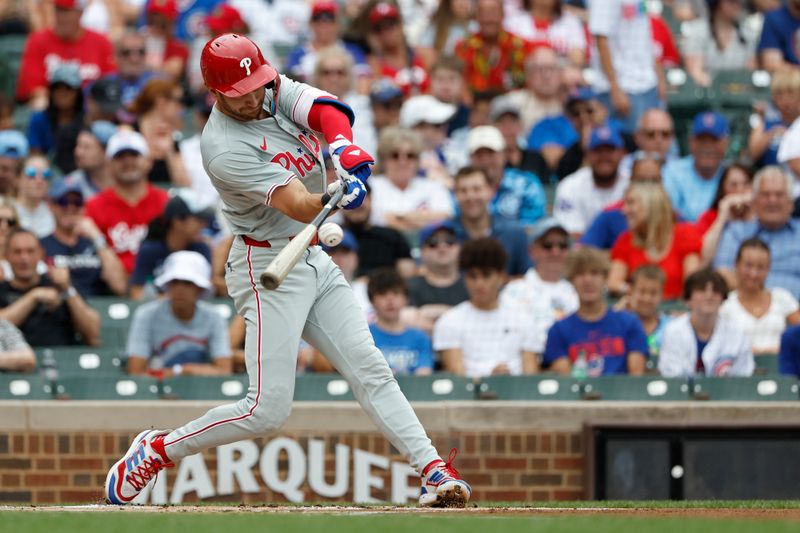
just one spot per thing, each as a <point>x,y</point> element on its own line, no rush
<point>33,172</point>
<point>436,241</point>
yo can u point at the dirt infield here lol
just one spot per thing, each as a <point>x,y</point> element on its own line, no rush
<point>737,514</point>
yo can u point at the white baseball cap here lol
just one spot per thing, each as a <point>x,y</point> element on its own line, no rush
<point>126,141</point>
<point>185,266</point>
<point>425,108</point>
<point>485,137</point>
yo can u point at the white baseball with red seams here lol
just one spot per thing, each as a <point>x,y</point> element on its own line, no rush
<point>247,161</point>
<point>330,234</point>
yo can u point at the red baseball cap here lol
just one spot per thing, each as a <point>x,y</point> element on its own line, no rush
<point>168,8</point>
<point>71,4</point>
<point>383,11</point>
<point>324,6</point>
<point>225,19</point>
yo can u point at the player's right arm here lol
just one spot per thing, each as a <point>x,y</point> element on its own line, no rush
<point>294,201</point>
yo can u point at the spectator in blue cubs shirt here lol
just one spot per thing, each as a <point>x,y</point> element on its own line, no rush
<point>692,181</point>
<point>789,356</point>
<point>407,350</point>
<point>610,342</point>
<point>180,228</point>
<point>777,47</point>
<point>78,245</point>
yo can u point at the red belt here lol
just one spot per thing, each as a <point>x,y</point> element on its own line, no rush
<point>249,241</point>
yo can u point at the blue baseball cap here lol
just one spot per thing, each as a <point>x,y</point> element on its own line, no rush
<point>710,123</point>
<point>384,90</point>
<point>13,144</point>
<point>64,186</point>
<point>349,242</point>
<point>605,135</point>
<point>67,73</point>
<point>427,232</point>
<point>580,94</point>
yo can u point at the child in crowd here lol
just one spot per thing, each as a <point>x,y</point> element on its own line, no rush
<point>482,336</point>
<point>408,350</point>
<point>701,341</point>
<point>644,300</point>
<point>595,339</point>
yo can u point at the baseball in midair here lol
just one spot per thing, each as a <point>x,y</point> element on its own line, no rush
<point>330,234</point>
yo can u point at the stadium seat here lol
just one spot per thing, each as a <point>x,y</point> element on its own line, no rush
<point>684,100</point>
<point>116,315</point>
<point>773,388</point>
<point>435,388</point>
<point>322,387</point>
<point>229,388</point>
<point>739,89</point>
<point>766,365</point>
<point>529,388</point>
<point>84,360</point>
<point>11,47</point>
<point>23,387</point>
<point>108,388</point>
<point>636,388</point>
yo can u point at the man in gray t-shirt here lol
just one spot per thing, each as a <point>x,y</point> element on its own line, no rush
<point>180,334</point>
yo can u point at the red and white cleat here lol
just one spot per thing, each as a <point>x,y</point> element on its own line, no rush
<point>442,486</point>
<point>131,474</point>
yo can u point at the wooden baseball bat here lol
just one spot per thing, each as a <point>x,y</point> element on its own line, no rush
<point>284,262</point>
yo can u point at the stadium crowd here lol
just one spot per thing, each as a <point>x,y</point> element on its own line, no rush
<point>532,209</point>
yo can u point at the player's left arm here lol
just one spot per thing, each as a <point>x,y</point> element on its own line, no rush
<point>334,119</point>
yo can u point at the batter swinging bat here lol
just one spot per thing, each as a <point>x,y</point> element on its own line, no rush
<point>284,262</point>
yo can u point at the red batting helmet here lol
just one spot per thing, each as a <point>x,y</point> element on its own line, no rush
<point>233,65</point>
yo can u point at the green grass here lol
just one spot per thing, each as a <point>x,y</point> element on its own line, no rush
<point>124,522</point>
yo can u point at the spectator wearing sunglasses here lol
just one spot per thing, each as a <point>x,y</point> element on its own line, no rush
<point>655,135</point>
<point>78,245</point>
<point>440,284</point>
<point>132,70</point>
<point>543,292</point>
<point>13,150</point>
<point>32,208</point>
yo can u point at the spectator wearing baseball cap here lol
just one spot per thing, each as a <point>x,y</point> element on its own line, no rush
<point>386,99</point>
<point>180,334</point>
<point>504,115</point>
<point>124,210</point>
<point>90,158</point>
<point>518,195</point>
<point>78,245</point>
<point>66,42</point>
<point>430,117</point>
<point>325,30</point>
<point>440,284</point>
<point>692,181</point>
<point>104,100</point>
<point>586,192</point>
<point>52,131</point>
<point>162,17</point>
<point>391,55</point>
<point>179,228</point>
<point>543,292</point>
<point>13,150</point>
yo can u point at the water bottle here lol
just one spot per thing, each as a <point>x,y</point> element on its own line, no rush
<point>580,366</point>
<point>49,369</point>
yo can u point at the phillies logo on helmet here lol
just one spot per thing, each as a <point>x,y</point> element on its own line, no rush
<point>245,64</point>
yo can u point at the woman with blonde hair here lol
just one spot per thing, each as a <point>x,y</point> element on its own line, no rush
<point>400,198</point>
<point>159,108</point>
<point>653,238</point>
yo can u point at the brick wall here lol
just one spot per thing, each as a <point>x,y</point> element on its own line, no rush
<point>70,467</point>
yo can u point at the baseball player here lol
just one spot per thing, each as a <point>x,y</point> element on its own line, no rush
<point>261,151</point>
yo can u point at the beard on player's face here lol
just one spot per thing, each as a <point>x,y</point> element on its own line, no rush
<point>243,108</point>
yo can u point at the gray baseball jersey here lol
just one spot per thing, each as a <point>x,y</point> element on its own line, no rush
<point>248,161</point>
